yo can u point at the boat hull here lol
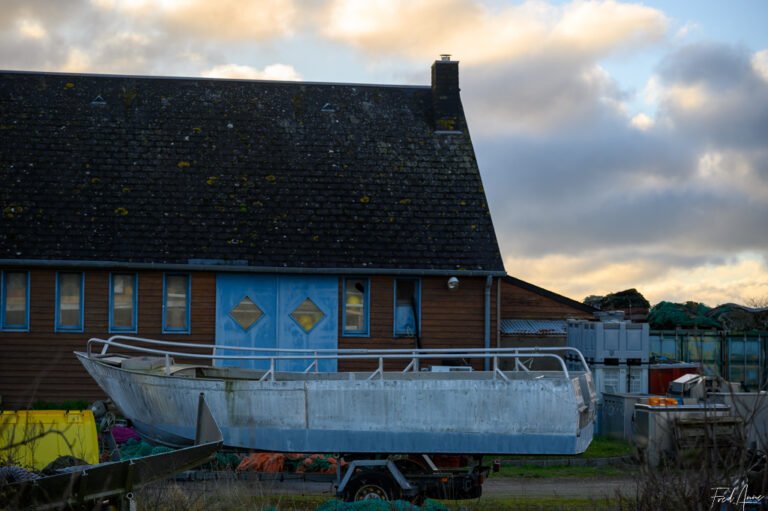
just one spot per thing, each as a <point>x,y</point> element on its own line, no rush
<point>398,413</point>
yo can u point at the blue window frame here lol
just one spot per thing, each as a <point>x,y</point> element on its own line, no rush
<point>14,301</point>
<point>407,314</point>
<point>176,303</point>
<point>123,302</point>
<point>357,293</point>
<point>70,304</point>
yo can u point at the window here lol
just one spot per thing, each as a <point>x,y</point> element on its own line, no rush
<point>176,303</point>
<point>122,302</point>
<point>14,314</point>
<point>307,315</point>
<point>69,302</point>
<point>356,298</point>
<point>407,308</point>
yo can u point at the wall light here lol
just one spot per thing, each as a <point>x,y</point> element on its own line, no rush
<point>453,284</point>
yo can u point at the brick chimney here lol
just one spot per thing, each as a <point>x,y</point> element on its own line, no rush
<point>445,94</point>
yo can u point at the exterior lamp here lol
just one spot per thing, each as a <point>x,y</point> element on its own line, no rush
<point>453,284</point>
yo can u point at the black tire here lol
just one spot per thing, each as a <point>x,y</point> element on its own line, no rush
<point>370,485</point>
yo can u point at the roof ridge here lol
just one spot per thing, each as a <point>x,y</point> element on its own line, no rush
<point>209,79</point>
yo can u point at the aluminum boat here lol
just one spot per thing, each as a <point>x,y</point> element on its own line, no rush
<point>528,401</point>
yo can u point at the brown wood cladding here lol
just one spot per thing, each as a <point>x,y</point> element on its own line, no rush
<point>449,319</point>
<point>519,303</point>
<point>39,364</point>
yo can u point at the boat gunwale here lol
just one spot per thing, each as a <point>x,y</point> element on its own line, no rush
<point>274,355</point>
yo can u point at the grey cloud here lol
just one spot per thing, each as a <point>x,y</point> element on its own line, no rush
<point>594,184</point>
<point>717,65</point>
<point>736,111</point>
<point>531,94</point>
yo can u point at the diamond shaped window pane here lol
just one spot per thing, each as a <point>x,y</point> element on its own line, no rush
<point>307,315</point>
<point>246,313</point>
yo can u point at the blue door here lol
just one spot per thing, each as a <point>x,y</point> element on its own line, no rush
<point>277,311</point>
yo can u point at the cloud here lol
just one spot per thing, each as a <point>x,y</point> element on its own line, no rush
<point>687,29</point>
<point>281,72</point>
<point>31,29</point>
<point>594,203</point>
<point>760,64</point>
<point>222,19</point>
<point>720,280</point>
<point>422,29</point>
<point>642,122</point>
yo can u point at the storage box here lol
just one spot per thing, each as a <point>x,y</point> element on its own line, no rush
<point>33,439</point>
<point>622,379</point>
<point>616,340</point>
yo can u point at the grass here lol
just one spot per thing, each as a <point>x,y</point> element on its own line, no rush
<point>537,471</point>
<point>534,504</point>
<point>600,447</point>
<point>307,503</point>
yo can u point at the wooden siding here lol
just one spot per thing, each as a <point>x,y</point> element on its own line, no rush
<point>450,319</point>
<point>39,364</point>
<point>520,303</point>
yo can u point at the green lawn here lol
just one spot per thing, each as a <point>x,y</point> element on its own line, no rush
<point>600,447</point>
<point>564,471</point>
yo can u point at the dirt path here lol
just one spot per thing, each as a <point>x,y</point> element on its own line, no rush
<point>559,487</point>
<point>494,487</point>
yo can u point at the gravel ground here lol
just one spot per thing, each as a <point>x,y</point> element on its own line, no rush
<point>494,487</point>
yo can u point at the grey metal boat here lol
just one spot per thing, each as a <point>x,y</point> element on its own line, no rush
<point>420,409</point>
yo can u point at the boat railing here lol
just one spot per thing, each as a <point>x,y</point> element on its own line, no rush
<point>169,349</point>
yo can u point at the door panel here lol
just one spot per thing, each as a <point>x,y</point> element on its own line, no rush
<point>285,311</point>
<point>231,289</point>
<point>322,291</point>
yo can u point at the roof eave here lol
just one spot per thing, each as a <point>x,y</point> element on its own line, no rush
<point>244,268</point>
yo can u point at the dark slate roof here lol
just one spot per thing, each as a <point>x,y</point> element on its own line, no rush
<point>268,174</point>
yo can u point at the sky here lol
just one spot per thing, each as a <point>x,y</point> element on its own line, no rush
<point>621,144</point>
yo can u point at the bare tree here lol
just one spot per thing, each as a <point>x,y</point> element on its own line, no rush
<point>758,302</point>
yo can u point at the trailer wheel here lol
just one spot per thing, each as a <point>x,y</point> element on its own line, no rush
<point>371,486</point>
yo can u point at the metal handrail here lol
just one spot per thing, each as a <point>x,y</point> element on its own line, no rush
<point>315,355</point>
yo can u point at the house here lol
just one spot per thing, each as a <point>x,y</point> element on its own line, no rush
<point>534,316</point>
<point>253,213</point>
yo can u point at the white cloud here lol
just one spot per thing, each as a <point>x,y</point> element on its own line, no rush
<point>220,19</point>
<point>760,64</point>
<point>31,29</point>
<point>78,61</point>
<point>685,30</point>
<point>474,33</point>
<point>281,72</point>
<point>642,122</point>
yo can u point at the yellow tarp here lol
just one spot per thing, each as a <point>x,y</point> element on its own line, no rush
<point>33,439</point>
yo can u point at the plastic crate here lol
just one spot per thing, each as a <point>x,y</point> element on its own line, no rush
<point>621,379</point>
<point>616,340</point>
<point>38,437</point>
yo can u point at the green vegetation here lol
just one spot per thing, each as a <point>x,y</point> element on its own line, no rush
<point>173,501</point>
<point>602,447</point>
<point>573,466</point>
<point>537,471</point>
<point>534,504</point>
